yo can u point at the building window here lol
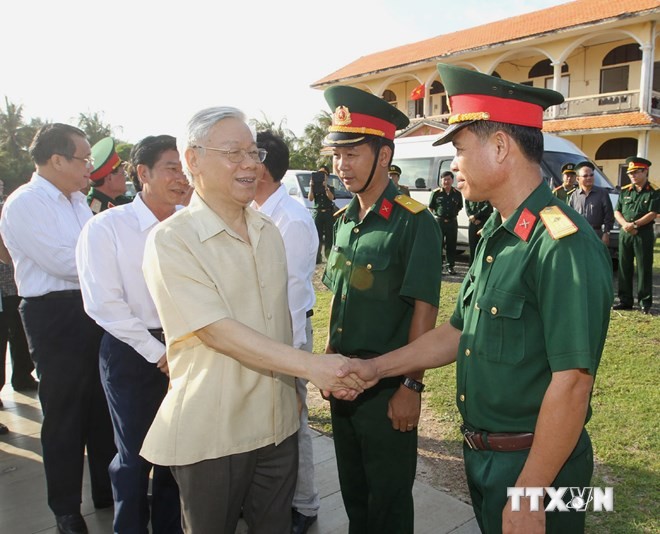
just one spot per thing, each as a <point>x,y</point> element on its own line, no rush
<point>613,80</point>
<point>623,54</point>
<point>389,97</point>
<point>438,99</point>
<point>545,68</point>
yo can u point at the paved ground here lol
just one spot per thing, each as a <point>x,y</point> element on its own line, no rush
<point>23,508</point>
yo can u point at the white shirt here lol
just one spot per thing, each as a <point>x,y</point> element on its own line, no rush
<point>109,256</point>
<point>301,243</point>
<point>40,227</point>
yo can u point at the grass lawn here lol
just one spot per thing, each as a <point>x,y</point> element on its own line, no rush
<point>623,427</point>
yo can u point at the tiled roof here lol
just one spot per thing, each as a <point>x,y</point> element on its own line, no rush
<point>548,20</point>
<point>611,120</point>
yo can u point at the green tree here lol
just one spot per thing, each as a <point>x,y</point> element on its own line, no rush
<point>94,126</point>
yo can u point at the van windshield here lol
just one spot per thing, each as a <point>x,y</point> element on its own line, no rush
<point>416,172</point>
<point>554,161</point>
<point>333,180</point>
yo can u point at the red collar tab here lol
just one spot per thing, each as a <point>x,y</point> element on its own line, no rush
<point>385,209</point>
<point>467,107</point>
<point>525,224</point>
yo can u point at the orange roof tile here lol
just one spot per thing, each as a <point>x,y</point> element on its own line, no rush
<point>611,120</point>
<point>522,26</point>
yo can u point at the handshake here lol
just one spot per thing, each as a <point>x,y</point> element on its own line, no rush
<point>342,377</point>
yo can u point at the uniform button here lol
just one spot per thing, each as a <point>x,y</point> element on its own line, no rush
<point>368,266</point>
<point>343,297</point>
<point>348,263</point>
<point>462,397</point>
<point>356,230</point>
<point>476,306</point>
<point>340,329</point>
<point>494,310</point>
<point>467,352</point>
<point>490,259</point>
<point>269,316</point>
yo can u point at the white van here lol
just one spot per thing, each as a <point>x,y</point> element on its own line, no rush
<point>297,185</point>
<point>422,164</point>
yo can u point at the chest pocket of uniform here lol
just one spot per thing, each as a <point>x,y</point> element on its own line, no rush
<point>501,331</point>
<point>371,278</point>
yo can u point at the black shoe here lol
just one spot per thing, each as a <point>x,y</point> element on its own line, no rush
<point>622,307</point>
<point>3,429</point>
<point>301,523</point>
<point>71,524</point>
<point>26,386</point>
<point>646,310</point>
<point>450,270</point>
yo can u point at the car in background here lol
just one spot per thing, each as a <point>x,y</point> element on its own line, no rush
<point>422,164</point>
<point>297,185</point>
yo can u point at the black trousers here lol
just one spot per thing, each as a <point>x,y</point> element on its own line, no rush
<point>64,345</point>
<point>11,331</point>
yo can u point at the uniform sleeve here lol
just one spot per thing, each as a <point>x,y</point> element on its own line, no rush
<point>424,260</point>
<point>185,296</point>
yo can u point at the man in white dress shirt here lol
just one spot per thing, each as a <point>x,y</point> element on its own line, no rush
<point>134,369</point>
<point>41,222</point>
<point>301,242</point>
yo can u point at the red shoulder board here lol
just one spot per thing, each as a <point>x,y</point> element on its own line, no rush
<point>525,224</point>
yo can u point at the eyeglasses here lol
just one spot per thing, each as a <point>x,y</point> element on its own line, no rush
<point>238,155</point>
<point>88,161</point>
<point>586,175</point>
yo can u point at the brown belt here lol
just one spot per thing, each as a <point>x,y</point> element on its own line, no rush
<point>497,441</point>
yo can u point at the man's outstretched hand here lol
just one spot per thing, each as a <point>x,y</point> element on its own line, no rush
<point>352,371</point>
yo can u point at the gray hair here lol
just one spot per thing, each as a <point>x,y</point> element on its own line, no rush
<point>200,125</point>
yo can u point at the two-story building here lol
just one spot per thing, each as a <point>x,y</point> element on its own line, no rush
<point>602,55</point>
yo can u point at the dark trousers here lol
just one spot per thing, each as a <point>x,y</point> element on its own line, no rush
<point>449,239</point>
<point>11,331</point>
<point>473,238</point>
<point>490,473</point>
<point>324,222</point>
<point>260,482</point>
<point>134,389</point>
<point>376,463</point>
<point>64,345</point>
<point>636,248</point>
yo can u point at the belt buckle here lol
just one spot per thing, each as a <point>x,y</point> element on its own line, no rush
<point>468,438</point>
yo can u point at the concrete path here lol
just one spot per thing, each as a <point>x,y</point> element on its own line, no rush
<point>24,510</point>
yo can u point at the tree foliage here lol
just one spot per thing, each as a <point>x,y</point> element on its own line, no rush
<point>94,126</point>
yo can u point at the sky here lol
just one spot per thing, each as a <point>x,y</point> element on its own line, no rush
<point>147,66</point>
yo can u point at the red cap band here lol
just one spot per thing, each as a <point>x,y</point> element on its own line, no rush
<point>493,108</point>
<point>106,168</point>
<point>636,165</point>
<point>363,124</point>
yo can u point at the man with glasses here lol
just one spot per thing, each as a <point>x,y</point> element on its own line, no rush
<point>217,273</point>
<point>40,225</point>
<point>108,177</point>
<point>593,203</point>
<point>636,210</point>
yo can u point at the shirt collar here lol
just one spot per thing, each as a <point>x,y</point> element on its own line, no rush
<point>269,207</point>
<point>209,223</point>
<point>53,192</point>
<point>146,218</point>
<point>382,207</point>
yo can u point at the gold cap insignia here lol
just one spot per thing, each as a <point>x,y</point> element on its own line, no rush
<point>341,117</point>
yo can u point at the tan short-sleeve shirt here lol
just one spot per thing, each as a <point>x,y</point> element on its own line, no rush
<point>199,271</point>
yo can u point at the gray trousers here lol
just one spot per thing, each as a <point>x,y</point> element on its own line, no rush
<point>306,498</point>
<point>260,482</point>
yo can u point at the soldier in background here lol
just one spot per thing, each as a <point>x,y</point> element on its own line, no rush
<point>446,202</point>
<point>478,213</point>
<point>569,185</point>
<point>395,175</point>
<point>108,177</point>
<point>324,208</point>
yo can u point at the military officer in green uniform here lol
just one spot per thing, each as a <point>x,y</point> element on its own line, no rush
<point>478,213</point>
<point>569,185</point>
<point>636,210</point>
<point>324,208</point>
<point>531,318</point>
<point>445,203</point>
<point>108,177</point>
<point>395,176</point>
<point>384,273</point>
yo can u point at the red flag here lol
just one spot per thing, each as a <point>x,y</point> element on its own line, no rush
<point>418,92</point>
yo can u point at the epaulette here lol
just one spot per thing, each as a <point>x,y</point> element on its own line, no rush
<point>436,189</point>
<point>557,188</point>
<point>556,222</point>
<point>95,205</point>
<point>339,211</point>
<point>629,186</point>
<point>412,205</point>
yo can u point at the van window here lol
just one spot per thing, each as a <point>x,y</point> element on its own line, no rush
<point>333,180</point>
<point>417,173</point>
<point>554,161</point>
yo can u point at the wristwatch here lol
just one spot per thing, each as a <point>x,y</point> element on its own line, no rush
<point>412,384</point>
<point>634,225</point>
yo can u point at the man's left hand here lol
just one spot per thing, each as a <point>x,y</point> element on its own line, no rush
<point>404,408</point>
<point>525,521</point>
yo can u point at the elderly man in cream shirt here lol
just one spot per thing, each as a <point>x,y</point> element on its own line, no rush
<point>217,273</point>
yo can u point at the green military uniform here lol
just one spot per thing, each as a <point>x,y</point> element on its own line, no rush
<point>403,189</point>
<point>535,302</point>
<point>106,161</point>
<point>524,315</point>
<point>480,211</point>
<point>378,267</point>
<point>99,201</point>
<point>562,193</point>
<point>445,206</point>
<point>324,220</point>
<point>632,205</point>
